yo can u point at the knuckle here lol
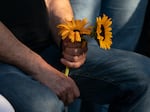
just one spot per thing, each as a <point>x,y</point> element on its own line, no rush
<point>77,65</point>
<point>75,58</point>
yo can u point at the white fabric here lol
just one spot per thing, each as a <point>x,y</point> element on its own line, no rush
<point>5,106</point>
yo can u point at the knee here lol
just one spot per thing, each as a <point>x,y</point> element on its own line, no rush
<point>43,103</point>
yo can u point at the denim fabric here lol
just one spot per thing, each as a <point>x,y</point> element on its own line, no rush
<point>117,77</point>
<point>26,94</point>
<point>127,17</point>
<point>120,78</point>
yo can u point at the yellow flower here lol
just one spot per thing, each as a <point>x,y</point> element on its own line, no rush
<point>74,29</point>
<point>103,31</point>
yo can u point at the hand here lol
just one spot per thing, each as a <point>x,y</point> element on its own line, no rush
<point>63,86</point>
<point>74,54</point>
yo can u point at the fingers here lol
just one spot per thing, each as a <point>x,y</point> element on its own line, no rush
<point>74,54</point>
<point>75,51</point>
<point>68,92</point>
<point>67,43</point>
<point>75,91</point>
<point>73,62</point>
<point>73,58</point>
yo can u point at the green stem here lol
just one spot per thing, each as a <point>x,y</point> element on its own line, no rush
<point>67,71</point>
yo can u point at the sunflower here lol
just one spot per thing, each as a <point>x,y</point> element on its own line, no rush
<point>74,29</point>
<point>103,31</point>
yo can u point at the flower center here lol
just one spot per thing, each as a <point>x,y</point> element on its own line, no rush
<point>103,31</point>
<point>76,30</point>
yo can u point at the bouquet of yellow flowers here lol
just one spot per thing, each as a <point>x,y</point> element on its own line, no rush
<point>75,29</point>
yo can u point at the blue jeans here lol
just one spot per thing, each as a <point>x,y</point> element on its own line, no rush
<point>116,77</point>
<point>26,94</point>
<point>127,17</point>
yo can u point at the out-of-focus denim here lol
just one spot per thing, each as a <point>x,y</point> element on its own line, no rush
<point>26,94</point>
<point>112,74</point>
<point>117,77</point>
<point>127,17</point>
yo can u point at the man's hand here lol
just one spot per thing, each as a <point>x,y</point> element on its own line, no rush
<point>21,56</point>
<point>74,54</point>
<point>63,86</point>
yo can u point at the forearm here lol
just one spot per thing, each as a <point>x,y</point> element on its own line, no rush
<point>14,52</point>
<point>59,11</point>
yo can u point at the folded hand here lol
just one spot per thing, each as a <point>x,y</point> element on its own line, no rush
<point>74,54</point>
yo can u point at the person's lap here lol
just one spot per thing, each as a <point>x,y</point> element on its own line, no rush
<point>104,69</point>
<point>107,74</point>
<point>96,79</point>
<point>126,25</point>
<point>25,93</point>
<point>121,66</point>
